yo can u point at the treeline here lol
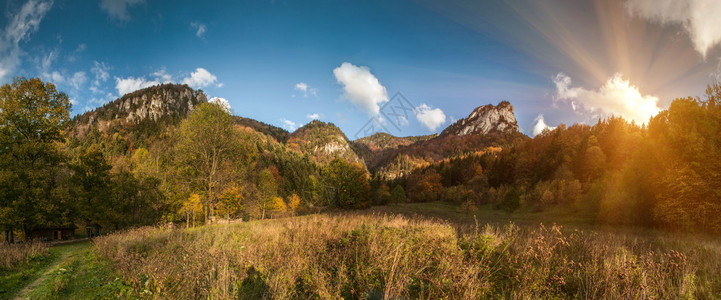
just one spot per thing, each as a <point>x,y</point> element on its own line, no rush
<point>193,170</point>
<point>666,174</point>
<point>208,165</point>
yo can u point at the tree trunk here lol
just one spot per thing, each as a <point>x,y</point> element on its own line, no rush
<point>211,210</point>
<point>9,236</point>
<point>26,231</point>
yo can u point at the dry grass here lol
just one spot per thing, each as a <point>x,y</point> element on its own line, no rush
<point>13,255</point>
<point>354,255</point>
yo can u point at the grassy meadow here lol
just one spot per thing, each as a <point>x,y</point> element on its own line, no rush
<point>392,254</point>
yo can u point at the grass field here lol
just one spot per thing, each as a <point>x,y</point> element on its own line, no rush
<point>425,250</point>
<point>78,274</point>
<point>410,251</point>
<point>67,271</point>
<point>21,264</point>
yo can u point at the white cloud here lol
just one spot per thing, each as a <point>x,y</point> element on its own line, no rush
<point>616,97</point>
<point>55,77</point>
<point>361,87</point>
<point>162,76</point>
<point>48,60</point>
<point>200,79</point>
<point>131,84</point>
<point>301,86</point>
<point>700,18</point>
<point>222,102</point>
<point>118,9</point>
<point>716,75</point>
<point>22,24</point>
<point>77,80</point>
<point>288,124</point>
<point>199,29</point>
<point>430,118</point>
<point>305,89</point>
<point>541,126</point>
<point>101,72</point>
<point>313,116</point>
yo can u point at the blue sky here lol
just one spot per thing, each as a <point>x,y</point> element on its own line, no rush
<point>285,62</point>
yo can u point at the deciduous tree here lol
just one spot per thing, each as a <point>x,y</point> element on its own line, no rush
<point>33,115</point>
<point>210,152</point>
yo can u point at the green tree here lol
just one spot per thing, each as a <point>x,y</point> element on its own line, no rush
<point>349,183</point>
<point>33,115</point>
<point>94,191</point>
<point>209,152</point>
<point>511,200</point>
<point>398,195</point>
<point>268,188</point>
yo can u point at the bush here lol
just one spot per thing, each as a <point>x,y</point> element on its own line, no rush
<point>14,255</point>
<point>511,200</point>
<point>398,195</point>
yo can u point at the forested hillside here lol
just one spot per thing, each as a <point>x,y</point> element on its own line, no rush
<point>323,142</point>
<point>164,154</point>
<point>665,174</point>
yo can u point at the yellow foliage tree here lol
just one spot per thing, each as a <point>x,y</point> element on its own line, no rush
<point>278,205</point>
<point>231,201</point>
<point>191,207</point>
<point>293,202</point>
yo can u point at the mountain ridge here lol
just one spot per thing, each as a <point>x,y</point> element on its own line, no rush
<point>382,154</point>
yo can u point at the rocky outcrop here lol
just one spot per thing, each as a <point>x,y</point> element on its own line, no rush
<point>166,101</point>
<point>170,102</point>
<point>156,103</point>
<point>485,120</point>
<point>323,142</point>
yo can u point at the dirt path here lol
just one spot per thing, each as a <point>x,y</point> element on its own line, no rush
<point>65,251</point>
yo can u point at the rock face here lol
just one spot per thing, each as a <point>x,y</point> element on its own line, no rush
<point>153,104</point>
<point>166,101</point>
<point>485,120</point>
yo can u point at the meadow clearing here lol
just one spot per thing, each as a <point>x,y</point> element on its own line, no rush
<point>409,251</point>
<point>382,254</point>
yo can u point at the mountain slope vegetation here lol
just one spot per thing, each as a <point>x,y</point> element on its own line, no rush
<point>125,164</point>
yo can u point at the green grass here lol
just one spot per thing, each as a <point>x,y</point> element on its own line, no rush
<point>81,275</point>
<point>14,279</point>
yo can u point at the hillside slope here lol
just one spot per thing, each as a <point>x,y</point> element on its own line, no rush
<point>487,126</point>
<point>323,142</point>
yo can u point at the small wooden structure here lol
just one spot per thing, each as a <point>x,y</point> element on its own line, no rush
<point>53,233</point>
<point>92,230</point>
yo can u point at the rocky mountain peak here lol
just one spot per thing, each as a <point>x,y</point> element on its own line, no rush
<point>165,101</point>
<point>484,120</point>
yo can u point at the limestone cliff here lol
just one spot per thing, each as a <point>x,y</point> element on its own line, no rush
<point>484,120</point>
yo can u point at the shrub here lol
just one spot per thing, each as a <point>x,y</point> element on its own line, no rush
<point>511,200</point>
<point>13,255</point>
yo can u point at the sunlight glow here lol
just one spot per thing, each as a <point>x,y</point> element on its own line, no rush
<point>616,97</point>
